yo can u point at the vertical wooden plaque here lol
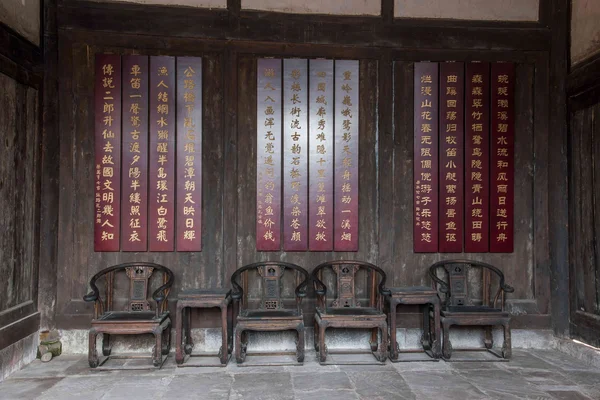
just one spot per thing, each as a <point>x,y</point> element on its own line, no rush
<point>135,154</point>
<point>451,138</point>
<point>107,152</point>
<point>268,157</point>
<point>321,156</point>
<point>189,154</point>
<point>503,158</point>
<point>425,234</point>
<point>346,155</point>
<point>161,216</point>
<point>477,146</point>
<point>295,147</point>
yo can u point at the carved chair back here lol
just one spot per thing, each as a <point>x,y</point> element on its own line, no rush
<point>346,294</point>
<point>457,289</point>
<point>271,276</point>
<point>139,274</point>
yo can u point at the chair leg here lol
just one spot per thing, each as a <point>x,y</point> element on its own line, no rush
<point>383,346</point>
<point>106,347</point>
<point>507,346</point>
<point>300,344</point>
<point>92,353</point>
<point>488,339</point>
<point>224,336</point>
<point>187,321</point>
<point>179,335</point>
<point>437,343</point>
<point>447,350</point>
<point>374,339</point>
<point>322,348</point>
<point>166,341</point>
<point>239,357</point>
<point>157,351</point>
<point>426,335</point>
<point>316,336</point>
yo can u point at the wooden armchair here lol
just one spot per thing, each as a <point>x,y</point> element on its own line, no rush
<point>346,310</point>
<point>460,308</point>
<point>272,313</point>
<point>138,317</point>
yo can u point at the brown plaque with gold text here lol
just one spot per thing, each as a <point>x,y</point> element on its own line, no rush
<point>107,152</point>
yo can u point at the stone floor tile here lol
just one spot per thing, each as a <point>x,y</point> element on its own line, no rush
<point>59,366</point>
<point>320,381</point>
<point>525,359</point>
<point>585,378</point>
<point>381,385</point>
<point>431,382</point>
<point>262,386</point>
<point>28,388</point>
<point>568,395</point>
<point>541,377</point>
<point>560,360</point>
<point>422,366</point>
<point>327,395</point>
<point>466,393</point>
<point>215,386</point>
<point>85,387</point>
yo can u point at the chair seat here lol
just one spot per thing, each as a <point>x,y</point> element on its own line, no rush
<point>413,290</point>
<point>351,312</point>
<point>455,310</point>
<point>269,314</point>
<point>130,317</point>
<point>204,293</point>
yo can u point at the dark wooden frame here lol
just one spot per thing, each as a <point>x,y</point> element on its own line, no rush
<point>429,300</point>
<point>350,314</point>
<point>207,298</point>
<point>458,307</point>
<point>265,319</point>
<point>131,322</point>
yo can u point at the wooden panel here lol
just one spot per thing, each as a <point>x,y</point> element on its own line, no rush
<point>268,175</point>
<point>425,225</point>
<point>189,154</point>
<point>477,169</point>
<point>161,214</point>
<point>451,137</point>
<point>134,181</point>
<point>321,156</point>
<point>502,158</point>
<point>108,153</point>
<point>295,150</point>
<point>346,131</point>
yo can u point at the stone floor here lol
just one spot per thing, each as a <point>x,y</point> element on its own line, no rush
<point>536,374</point>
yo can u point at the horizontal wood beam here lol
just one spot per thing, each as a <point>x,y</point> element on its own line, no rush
<point>364,31</point>
<point>19,50</point>
<point>583,84</point>
<point>19,330</point>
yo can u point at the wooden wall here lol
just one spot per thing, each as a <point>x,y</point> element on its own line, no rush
<point>19,187</point>
<point>387,51</point>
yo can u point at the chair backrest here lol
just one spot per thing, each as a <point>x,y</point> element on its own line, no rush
<point>456,286</point>
<point>271,275</point>
<point>137,300</point>
<point>345,282</point>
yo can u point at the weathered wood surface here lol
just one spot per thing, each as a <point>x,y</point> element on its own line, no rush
<point>19,200</point>
<point>229,182</point>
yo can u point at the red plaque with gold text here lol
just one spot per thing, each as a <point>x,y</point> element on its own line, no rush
<point>503,158</point>
<point>135,154</point>
<point>425,234</point>
<point>268,154</point>
<point>321,155</point>
<point>346,155</point>
<point>161,215</point>
<point>107,152</point>
<point>295,150</point>
<point>189,154</point>
<point>451,155</point>
<point>477,145</point>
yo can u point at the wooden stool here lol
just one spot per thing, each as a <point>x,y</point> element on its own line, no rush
<point>202,298</point>
<point>416,295</point>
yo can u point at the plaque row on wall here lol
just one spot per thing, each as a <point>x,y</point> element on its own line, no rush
<point>148,153</point>
<point>464,157</point>
<point>307,155</point>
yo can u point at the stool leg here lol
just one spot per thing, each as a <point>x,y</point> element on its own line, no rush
<point>393,339</point>
<point>187,320</point>
<point>437,337</point>
<point>488,339</point>
<point>300,343</point>
<point>447,345</point>
<point>507,346</point>
<point>224,334</point>
<point>92,353</point>
<point>426,337</point>
<point>179,335</point>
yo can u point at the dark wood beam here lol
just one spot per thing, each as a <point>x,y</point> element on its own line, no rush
<point>583,84</point>
<point>50,145</point>
<point>387,10</point>
<point>16,48</point>
<point>558,168</point>
<point>363,31</point>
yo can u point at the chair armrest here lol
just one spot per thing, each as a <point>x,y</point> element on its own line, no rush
<point>507,288</point>
<point>92,296</point>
